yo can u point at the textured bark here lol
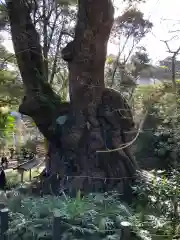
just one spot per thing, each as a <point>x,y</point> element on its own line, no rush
<point>87,52</point>
<point>97,118</point>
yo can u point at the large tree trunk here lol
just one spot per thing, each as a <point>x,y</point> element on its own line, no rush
<point>96,119</point>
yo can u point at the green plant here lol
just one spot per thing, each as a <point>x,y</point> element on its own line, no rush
<point>157,206</point>
<point>6,125</point>
<point>96,216</point>
<point>160,138</point>
<point>153,216</point>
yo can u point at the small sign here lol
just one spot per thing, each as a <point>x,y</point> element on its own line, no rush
<point>61,120</point>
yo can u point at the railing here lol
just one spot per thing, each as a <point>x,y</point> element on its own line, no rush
<point>28,166</point>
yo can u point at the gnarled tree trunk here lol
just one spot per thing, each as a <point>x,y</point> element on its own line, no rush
<point>96,119</point>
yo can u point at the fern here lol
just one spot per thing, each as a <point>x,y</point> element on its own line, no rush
<point>90,217</point>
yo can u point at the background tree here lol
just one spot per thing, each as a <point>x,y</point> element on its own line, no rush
<point>173,62</point>
<point>7,126</point>
<point>11,88</point>
<point>54,21</point>
<point>127,32</point>
<point>140,60</point>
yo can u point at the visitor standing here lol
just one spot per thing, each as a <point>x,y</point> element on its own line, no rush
<point>2,179</point>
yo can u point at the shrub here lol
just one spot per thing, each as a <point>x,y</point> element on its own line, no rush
<point>93,217</point>
<point>157,205</point>
<point>153,215</point>
<point>161,136</point>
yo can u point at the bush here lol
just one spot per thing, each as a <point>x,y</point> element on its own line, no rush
<point>154,214</point>
<point>157,205</point>
<point>92,217</point>
<point>161,136</point>
<point>167,134</point>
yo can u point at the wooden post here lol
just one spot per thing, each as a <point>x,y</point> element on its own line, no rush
<point>22,176</point>
<point>56,227</point>
<point>2,206</point>
<point>30,176</point>
<point>126,230</point>
<point>4,223</point>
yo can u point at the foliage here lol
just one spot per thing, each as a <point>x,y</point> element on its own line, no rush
<point>154,214</point>
<point>3,15</point>
<point>132,23</point>
<point>11,89</point>
<point>54,22</point>
<point>93,217</point>
<point>128,29</point>
<point>5,57</point>
<point>158,203</point>
<point>55,25</point>
<point>140,61</point>
<point>6,125</point>
<point>161,128</point>
<point>167,134</point>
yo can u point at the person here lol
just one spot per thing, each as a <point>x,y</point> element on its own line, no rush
<point>24,153</point>
<point>31,156</point>
<point>2,179</point>
<point>12,151</point>
<point>4,160</point>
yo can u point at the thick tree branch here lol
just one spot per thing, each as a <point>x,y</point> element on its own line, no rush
<point>87,53</point>
<point>26,45</point>
<point>41,103</point>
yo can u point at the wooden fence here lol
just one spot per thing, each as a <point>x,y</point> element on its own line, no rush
<point>56,234</point>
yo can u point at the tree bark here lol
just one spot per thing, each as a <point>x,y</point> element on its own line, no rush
<point>96,119</point>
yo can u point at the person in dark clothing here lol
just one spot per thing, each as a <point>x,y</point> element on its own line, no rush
<point>12,151</point>
<point>2,179</point>
<point>25,153</point>
<point>31,156</point>
<point>4,161</point>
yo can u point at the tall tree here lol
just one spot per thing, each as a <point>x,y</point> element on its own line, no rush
<point>139,61</point>
<point>54,21</point>
<point>85,132</point>
<point>11,89</point>
<point>174,53</point>
<point>128,30</point>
